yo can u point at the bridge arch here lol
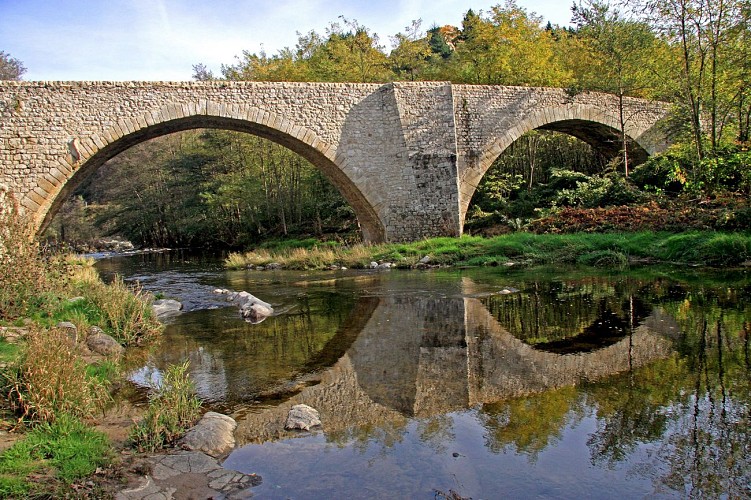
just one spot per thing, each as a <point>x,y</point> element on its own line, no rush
<point>87,153</point>
<point>597,127</point>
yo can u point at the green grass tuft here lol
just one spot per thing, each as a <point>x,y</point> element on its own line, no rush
<point>67,448</point>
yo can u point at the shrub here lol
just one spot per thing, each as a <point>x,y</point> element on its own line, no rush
<point>50,380</point>
<point>173,408</point>
<point>598,191</point>
<point>661,173</point>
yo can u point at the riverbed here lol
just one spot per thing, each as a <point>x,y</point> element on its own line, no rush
<point>482,383</point>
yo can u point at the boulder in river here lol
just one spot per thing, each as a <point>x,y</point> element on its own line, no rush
<point>253,309</point>
<point>213,435</point>
<point>166,307</point>
<point>255,312</point>
<point>302,417</point>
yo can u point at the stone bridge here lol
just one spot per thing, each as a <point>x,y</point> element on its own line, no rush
<point>406,156</point>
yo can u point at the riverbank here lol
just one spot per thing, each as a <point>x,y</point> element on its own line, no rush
<point>695,248</point>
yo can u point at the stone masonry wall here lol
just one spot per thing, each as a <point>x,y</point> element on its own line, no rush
<point>490,118</point>
<point>406,156</point>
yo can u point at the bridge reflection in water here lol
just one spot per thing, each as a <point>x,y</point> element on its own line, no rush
<point>426,354</point>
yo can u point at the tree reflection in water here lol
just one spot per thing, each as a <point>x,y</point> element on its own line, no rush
<point>657,370</point>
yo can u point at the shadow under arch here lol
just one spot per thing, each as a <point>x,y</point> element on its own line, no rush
<point>596,127</point>
<point>90,153</point>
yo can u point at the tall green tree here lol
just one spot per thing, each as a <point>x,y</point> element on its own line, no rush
<point>411,54</point>
<point>707,34</point>
<point>616,55</point>
<point>509,46</point>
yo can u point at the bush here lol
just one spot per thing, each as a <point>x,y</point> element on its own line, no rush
<point>598,191</point>
<point>50,380</point>
<point>173,408</point>
<point>661,173</point>
<point>729,172</point>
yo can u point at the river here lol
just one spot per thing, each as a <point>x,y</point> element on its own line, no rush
<point>481,383</point>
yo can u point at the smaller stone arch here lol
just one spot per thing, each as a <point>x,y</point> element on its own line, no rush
<point>592,124</point>
<point>86,154</point>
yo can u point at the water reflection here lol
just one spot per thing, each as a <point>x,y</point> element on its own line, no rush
<point>578,385</point>
<point>423,357</point>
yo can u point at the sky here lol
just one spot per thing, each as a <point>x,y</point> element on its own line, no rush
<point>162,39</point>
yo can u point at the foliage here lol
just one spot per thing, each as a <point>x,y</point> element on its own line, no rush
<point>173,408</point>
<point>597,192</point>
<point>10,67</point>
<point>214,188</point>
<point>50,380</point>
<point>66,448</point>
<point>678,215</point>
<point>727,172</point>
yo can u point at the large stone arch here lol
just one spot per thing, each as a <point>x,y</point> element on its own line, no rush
<point>595,125</point>
<point>406,156</point>
<point>88,153</point>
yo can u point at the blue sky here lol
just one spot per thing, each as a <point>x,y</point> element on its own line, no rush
<point>162,39</point>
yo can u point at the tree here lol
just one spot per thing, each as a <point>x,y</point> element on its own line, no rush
<point>614,55</point>
<point>411,52</point>
<point>509,46</point>
<point>10,67</point>
<point>708,34</point>
<point>352,54</point>
<point>202,73</point>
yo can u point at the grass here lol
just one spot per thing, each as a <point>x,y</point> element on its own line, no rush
<point>8,351</point>
<point>47,384</point>
<point>66,450</point>
<point>49,380</point>
<point>173,408</point>
<point>595,249</point>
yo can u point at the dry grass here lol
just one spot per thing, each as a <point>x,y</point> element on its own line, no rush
<point>124,311</point>
<point>356,256</point>
<point>50,380</point>
<point>23,276</point>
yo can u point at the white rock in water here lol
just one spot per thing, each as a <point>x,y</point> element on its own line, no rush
<point>213,435</point>
<point>302,417</point>
<point>255,312</point>
<point>163,307</point>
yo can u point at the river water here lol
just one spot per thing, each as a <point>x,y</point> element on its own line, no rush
<point>481,383</point>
